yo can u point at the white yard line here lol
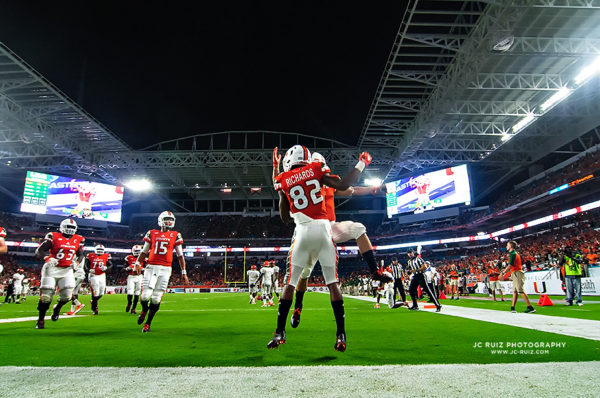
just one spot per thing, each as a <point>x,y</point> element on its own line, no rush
<point>574,327</point>
<point>34,318</point>
<point>550,379</point>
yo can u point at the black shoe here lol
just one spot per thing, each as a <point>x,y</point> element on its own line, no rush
<point>142,317</point>
<point>414,308</point>
<point>55,314</point>
<point>378,276</point>
<point>458,298</point>
<point>438,308</point>
<point>340,344</point>
<point>39,325</point>
<point>295,319</point>
<point>18,302</point>
<point>512,309</point>
<point>278,339</point>
<point>128,308</point>
<point>569,303</point>
<point>451,298</point>
<point>529,310</point>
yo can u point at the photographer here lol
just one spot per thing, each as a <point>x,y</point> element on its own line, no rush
<point>572,266</point>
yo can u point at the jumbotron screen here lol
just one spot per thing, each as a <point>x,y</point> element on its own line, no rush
<point>429,191</point>
<point>64,196</point>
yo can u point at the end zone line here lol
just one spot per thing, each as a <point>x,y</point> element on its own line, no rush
<point>34,318</point>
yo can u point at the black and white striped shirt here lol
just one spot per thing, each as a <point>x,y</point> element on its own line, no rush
<point>396,270</point>
<point>415,263</point>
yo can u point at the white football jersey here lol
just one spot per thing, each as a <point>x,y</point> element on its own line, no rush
<point>275,273</point>
<point>26,282</point>
<point>267,273</point>
<point>18,278</point>
<point>253,276</point>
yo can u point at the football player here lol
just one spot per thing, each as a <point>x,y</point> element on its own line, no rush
<point>26,285</point>
<point>79,274</point>
<point>134,279</point>
<point>342,232</point>
<point>18,284</point>
<point>253,276</point>
<point>62,251</point>
<point>3,248</point>
<point>158,247</point>
<point>275,284</point>
<point>301,200</point>
<point>98,262</point>
<point>266,279</point>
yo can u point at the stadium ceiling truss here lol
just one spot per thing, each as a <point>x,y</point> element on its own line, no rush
<point>447,96</point>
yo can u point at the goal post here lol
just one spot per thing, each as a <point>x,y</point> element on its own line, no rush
<point>243,281</point>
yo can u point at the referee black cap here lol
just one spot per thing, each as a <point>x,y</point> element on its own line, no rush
<point>394,258</point>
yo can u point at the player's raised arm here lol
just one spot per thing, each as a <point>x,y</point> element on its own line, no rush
<point>346,181</point>
<point>284,209</point>
<point>43,249</point>
<point>276,163</point>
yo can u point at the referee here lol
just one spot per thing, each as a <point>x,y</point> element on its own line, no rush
<point>397,273</point>
<point>416,266</point>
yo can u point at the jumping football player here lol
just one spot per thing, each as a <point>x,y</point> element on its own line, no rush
<point>98,262</point>
<point>62,251</point>
<point>342,232</point>
<point>134,278</point>
<point>3,247</point>
<point>158,247</point>
<point>301,199</point>
<point>253,276</point>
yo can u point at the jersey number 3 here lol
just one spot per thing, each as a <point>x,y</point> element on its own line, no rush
<point>299,196</point>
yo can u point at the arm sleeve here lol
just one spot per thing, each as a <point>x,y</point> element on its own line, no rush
<point>179,240</point>
<point>147,237</point>
<point>146,248</point>
<point>179,250</point>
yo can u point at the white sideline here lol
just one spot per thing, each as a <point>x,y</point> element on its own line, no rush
<point>573,327</point>
<point>34,318</point>
<point>550,379</point>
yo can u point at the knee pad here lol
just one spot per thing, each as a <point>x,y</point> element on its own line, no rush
<point>156,296</point>
<point>358,230</point>
<point>65,295</point>
<point>306,273</point>
<point>146,293</point>
<point>46,295</point>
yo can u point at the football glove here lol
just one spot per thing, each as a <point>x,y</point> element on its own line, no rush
<point>276,158</point>
<point>366,158</point>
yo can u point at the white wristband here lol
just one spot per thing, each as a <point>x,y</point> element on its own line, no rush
<point>360,166</point>
<point>351,190</point>
<point>183,272</point>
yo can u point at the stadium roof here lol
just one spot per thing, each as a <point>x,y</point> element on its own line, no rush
<point>447,96</point>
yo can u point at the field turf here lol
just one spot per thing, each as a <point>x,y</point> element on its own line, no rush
<point>224,330</point>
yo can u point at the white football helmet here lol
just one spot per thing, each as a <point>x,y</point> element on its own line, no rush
<point>136,250</point>
<point>68,227</point>
<point>317,157</point>
<point>166,219</point>
<point>99,249</point>
<point>296,155</point>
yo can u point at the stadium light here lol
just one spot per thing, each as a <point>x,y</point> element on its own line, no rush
<point>506,137</point>
<point>524,122</point>
<point>588,72</point>
<point>555,99</point>
<point>139,184</point>
<point>373,182</point>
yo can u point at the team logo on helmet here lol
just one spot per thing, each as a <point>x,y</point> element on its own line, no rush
<point>99,249</point>
<point>68,227</point>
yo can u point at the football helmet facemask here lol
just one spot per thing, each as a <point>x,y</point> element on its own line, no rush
<point>136,250</point>
<point>68,227</point>
<point>166,219</point>
<point>99,249</point>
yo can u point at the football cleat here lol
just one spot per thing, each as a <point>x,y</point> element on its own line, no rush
<point>72,312</point>
<point>512,309</point>
<point>376,305</point>
<point>264,305</point>
<point>78,308</point>
<point>133,312</point>
<point>146,328</point>
<point>278,339</point>
<point>55,314</point>
<point>128,308</point>
<point>39,325</point>
<point>580,304</point>
<point>295,319</point>
<point>378,276</point>
<point>340,344</point>
<point>414,308</point>
<point>95,311</point>
<point>142,317</point>
<point>438,308</point>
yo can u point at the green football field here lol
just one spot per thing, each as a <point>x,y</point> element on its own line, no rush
<point>224,330</point>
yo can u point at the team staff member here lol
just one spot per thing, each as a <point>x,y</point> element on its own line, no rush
<point>515,266</point>
<point>397,272</point>
<point>572,264</point>
<point>416,266</point>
